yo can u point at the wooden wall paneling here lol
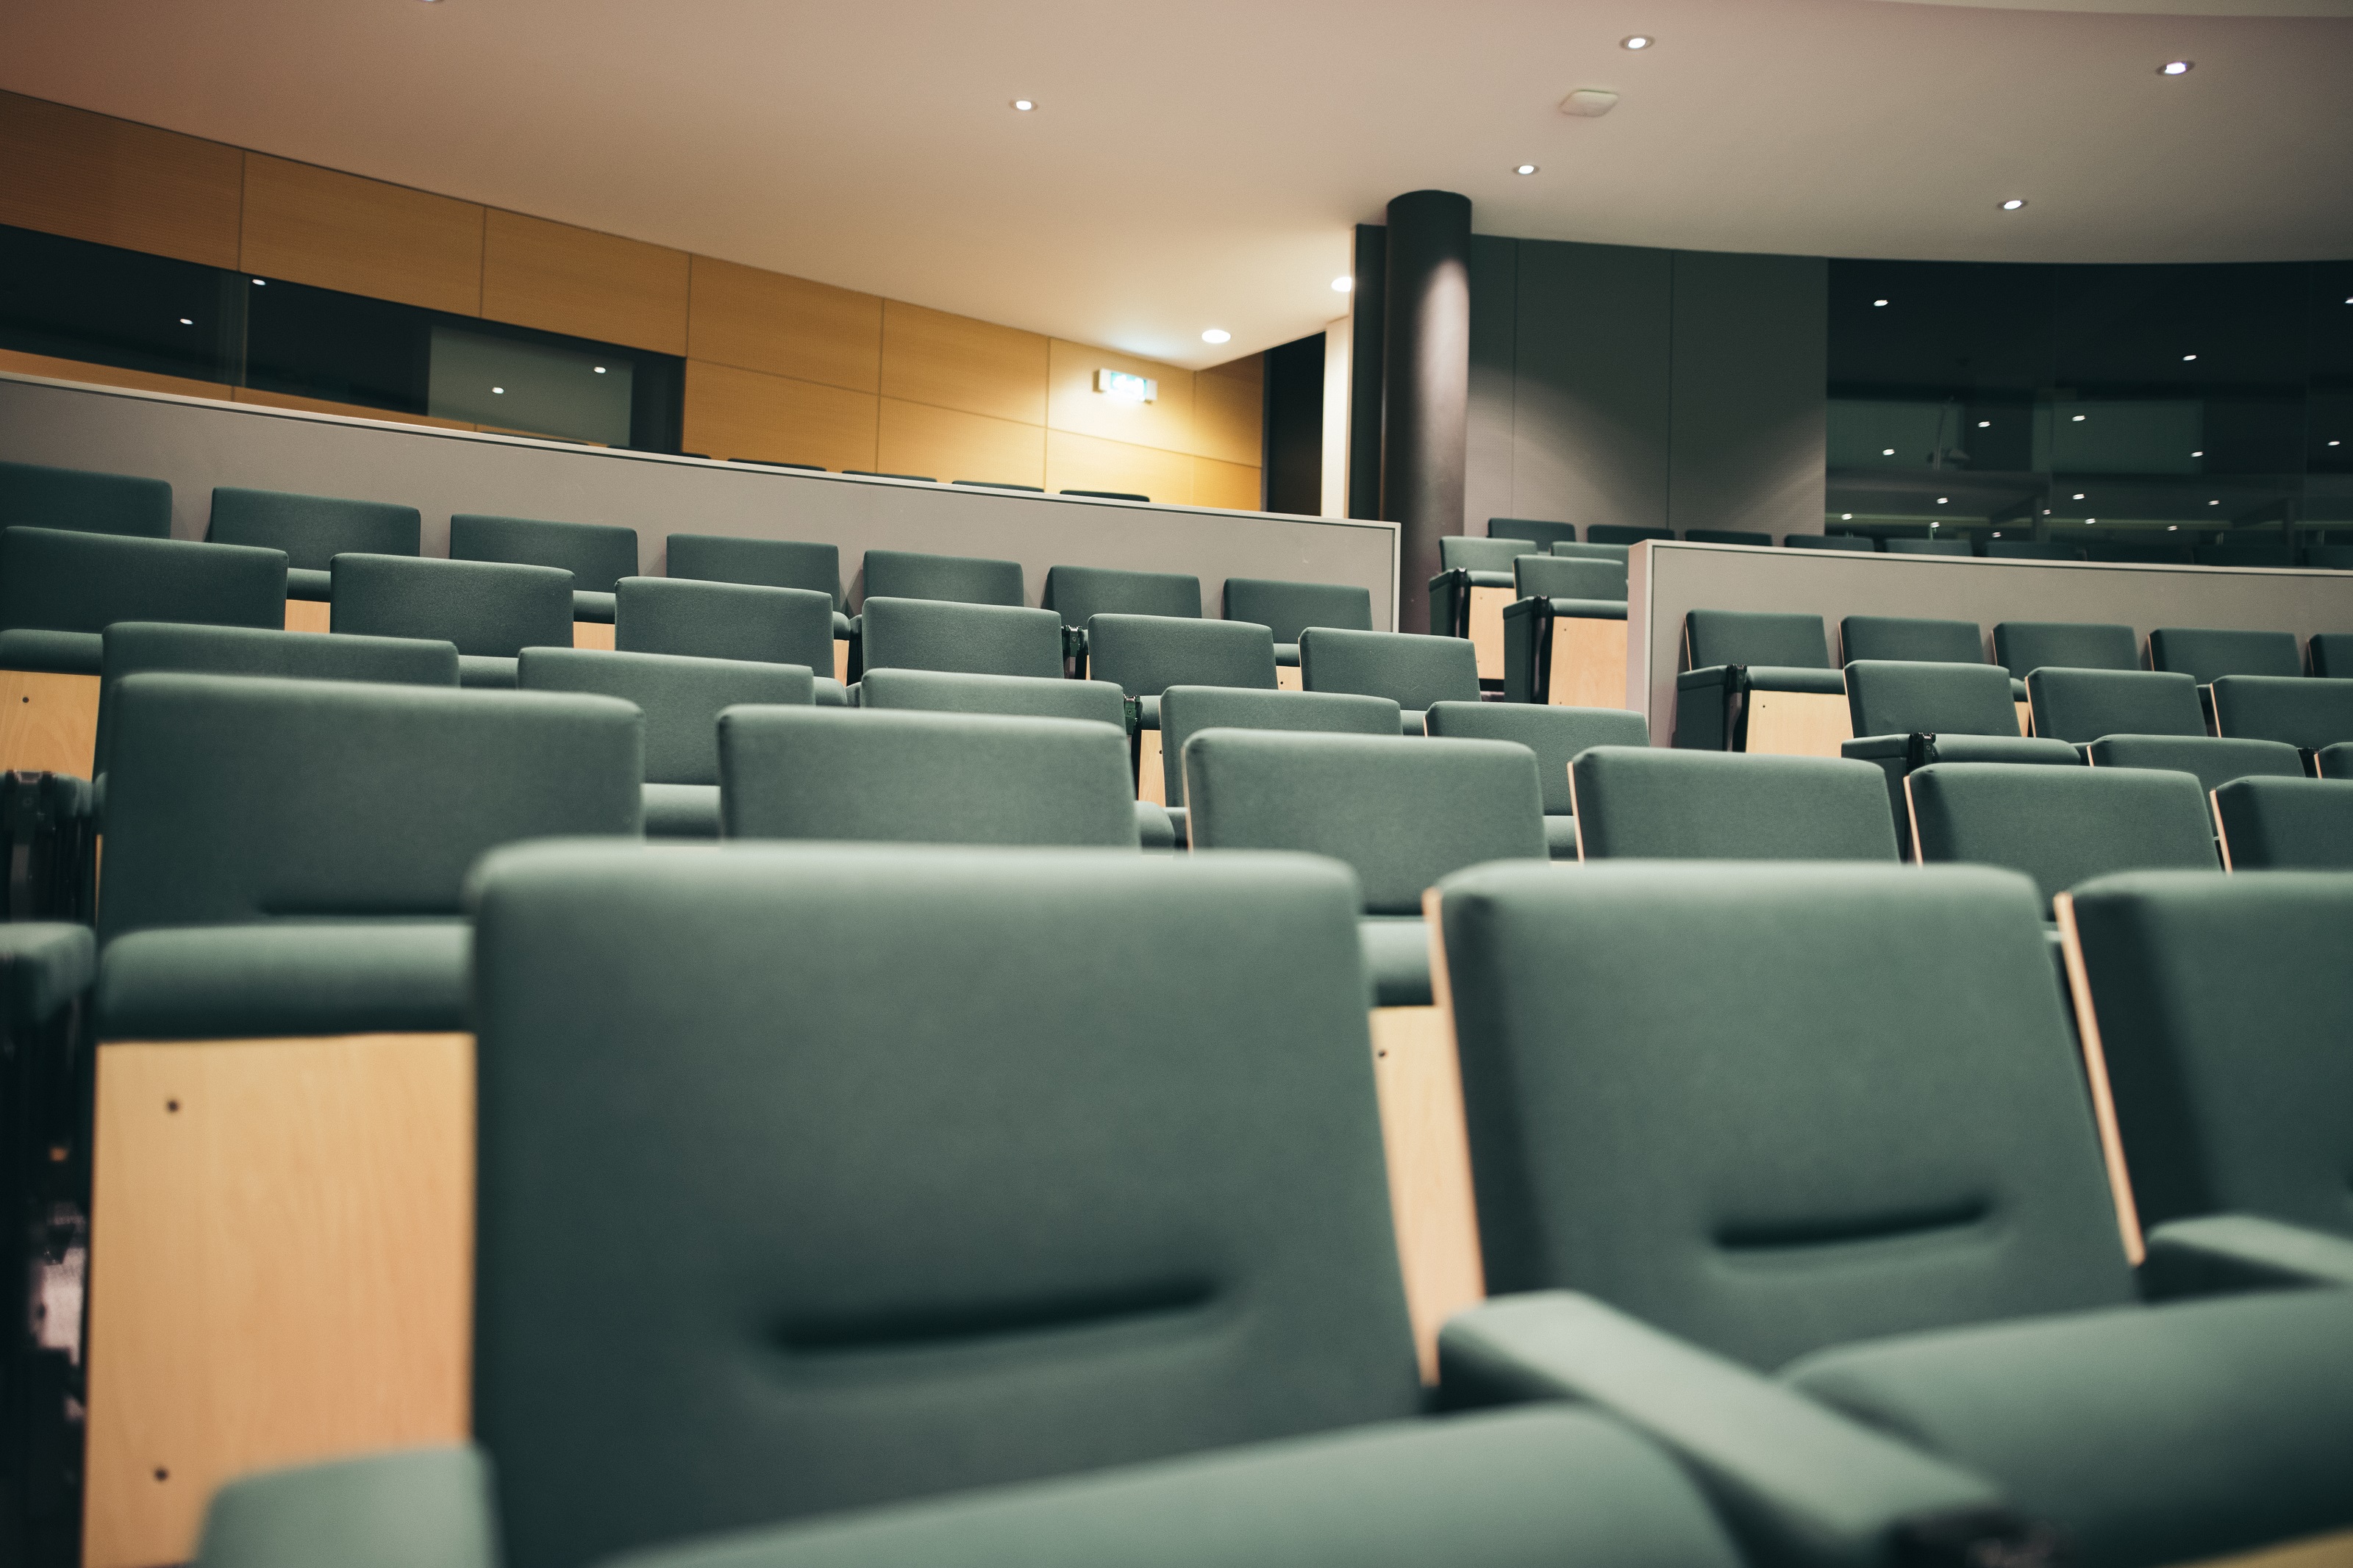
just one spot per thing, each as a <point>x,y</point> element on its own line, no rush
<point>114,182</point>
<point>1072,403</point>
<point>348,410</point>
<point>577,282</point>
<point>734,413</point>
<point>107,376</point>
<point>1088,463</point>
<point>1231,485</point>
<point>1230,415</point>
<point>954,362</point>
<point>917,438</point>
<point>752,319</point>
<point>338,231</point>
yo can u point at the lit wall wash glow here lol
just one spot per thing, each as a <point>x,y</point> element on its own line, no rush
<point>1127,388</point>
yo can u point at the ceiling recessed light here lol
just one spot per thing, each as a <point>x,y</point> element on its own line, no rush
<point>1996,533</point>
<point>2213,503</point>
<point>2175,67</point>
<point>1846,517</point>
<point>264,283</point>
<point>2172,527</point>
<point>1942,500</point>
<point>2079,419</point>
<point>1888,451</point>
<point>498,389</point>
<point>1217,336</point>
<point>2012,205</point>
<point>2336,443</point>
<point>1985,424</point>
<point>2199,453</point>
<point>187,323</point>
<point>1342,285</point>
<point>1524,169</point>
<point>2187,358</point>
<point>1639,41</point>
<point>1024,105</point>
<point>2089,521</point>
<point>2046,512</point>
<point>2079,495</point>
<point>600,370</point>
<point>1877,302</point>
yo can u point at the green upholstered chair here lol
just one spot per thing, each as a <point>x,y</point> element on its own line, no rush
<point>1412,670</point>
<point>1472,553</point>
<point>1828,541</point>
<point>2060,826</point>
<point>1288,609</point>
<point>1867,1279</point>
<point>82,501</point>
<point>491,610</point>
<point>765,563</point>
<point>2213,762</point>
<point>935,634</point>
<point>598,555</point>
<point>1645,804</point>
<point>1908,714</point>
<point>312,531</point>
<point>1560,648</point>
<point>1544,532</point>
<point>2285,824</point>
<point>1621,554</point>
<point>1186,711</point>
<point>1164,1316</point>
<point>1556,735</point>
<point>2335,762</point>
<point>2205,653</point>
<point>1888,638</point>
<point>1079,592</point>
<point>2219,1012</point>
<point>2332,653</point>
<point>2024,647</point>
<point>1622,534</point>
<point>1474,582</point>
<point>724,620</point>
<point>1726,536</point>
<point>1401,813</point>
<point>681,699</point>
<point>2305,713</point>
<point>924,778</point>
<point>966,579</point>
<point>1924,546</point>
<point>1145,654</point>
<point>61,589</point>
<point>1731,656</point>
<point>1567,577</point>
<point>2080,705</point>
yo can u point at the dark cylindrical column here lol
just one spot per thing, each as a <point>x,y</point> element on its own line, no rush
<point>1424,383</point>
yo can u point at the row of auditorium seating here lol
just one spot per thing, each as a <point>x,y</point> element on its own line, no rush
<point>1543,534</point>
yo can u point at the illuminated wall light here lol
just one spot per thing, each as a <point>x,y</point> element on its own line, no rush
<point>2187,358</point>
<point>2173,527</point>
<point>1888,451</point>
<point>2079,419</point>
<point>1942,500</point>
<point>1342,285</point>
<point>2079,495</point>
<point>1878,302</point>
<point>2199,453</point>
<point>2213,503</point>
<point>185,322</point>
<point>500,390</point>
<point>600,370</point>
<point>1217,336</point>
<point>1985,424</point>
<point>1125,387</point>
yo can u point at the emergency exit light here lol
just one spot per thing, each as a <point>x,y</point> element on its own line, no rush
<point>1127,388</point>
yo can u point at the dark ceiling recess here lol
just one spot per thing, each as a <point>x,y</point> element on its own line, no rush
<point>1294,428</point>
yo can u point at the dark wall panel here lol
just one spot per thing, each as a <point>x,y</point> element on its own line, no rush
<point>1750,368</point>
<point>1592,425</point>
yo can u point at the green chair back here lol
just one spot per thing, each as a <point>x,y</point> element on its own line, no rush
<point>1567,577</point>
<point>768,563</point>
<point>1544,533</point>
<point>81,501</point>
<point>2210,761</point>
<point>679,698</point>
<point>1287,609</point>
<point>1469,552</point>
<point>312,530</point>
<point>2023,647</point>
<point>1902,696</point>
<point>1656,804</point>
<point>1555,735</point>
<point>2332,652</point>
<point>2061,825</point>
<point>1768,637</point>
<point>597,555</point>
<point>2082,705</point>
<point>1621,554</point>
<point>1080,592</point>
<point>723,620</point>
<point>1828,541</point>
<point>2205,654</point>
<point>1186,711</point>
<point>981,639</point>
<point>2297,709</point>
<point>59,589</point>
<point>1726,536</point>
<point>966,580</point>
<point>1412,670</point>
<point>1624,533</point>
<point>1145,654</point>
<point>2286,824</point>
<point>1905,638</point>
<point>1029,696</point>
<point>489,609</point>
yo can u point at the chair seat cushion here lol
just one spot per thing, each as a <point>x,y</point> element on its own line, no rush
<point>1397,960</point>
<point>1795,678</point>
<point>44,964</point>
<point>309,582</point>
<point>285,978</point>
<point>681,811</point>
<point>55,653</point>
<point>1560,836</point>
<point>488,670</point>
<point>587,605</point>
<point>2148,1434</point>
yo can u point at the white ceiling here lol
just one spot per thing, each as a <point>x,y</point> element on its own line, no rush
<point>1197,164</point>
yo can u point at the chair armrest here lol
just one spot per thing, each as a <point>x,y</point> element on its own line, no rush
<point>840,626</point>
<point>828,692</point>
<point>1793,1476</point>
<point>2226,1252</point>
<point>1876,748</point>
<point>419,1508</point>
<point>590,605</point>
<point>1155,833</point>
<point>1712,674</point>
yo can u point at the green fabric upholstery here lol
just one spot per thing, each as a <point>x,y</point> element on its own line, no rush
<point>132,647</point>
<point>978,638</point>
<point>1287,609</point>
<point>1079,592</point>
<point>2224,1014</point>
<point>1653,803</point>
<point>919,778</point>
<point>2336,761</point>
<point>598,555</point>
<point>2299,711</point>
<point>1755,637</point>
<point>1412,671</point>
<point>880,1295</point>
<point>765,562</point>
<point>491,610</point>
<point>1567,577</point>
<point>2332,655</point>
<point>2211,761</point>
<point>1145,654</point>
<point>724,620</point>
<point>55,581</point>
<point>2023,647</point>
<point>419,1508</point>
<point>1617,552</point>
<point>1402,812</point>
<point>44,964</point>
<point>680,698</point>
<point>2277,824</point>
<point>284,978</point>
<point>1924,546</point>
<point>81,501</point>
<point>1544,532</point>
<point>1555,735</point>
<point>1827,542</point>
<point>312,531</point>
<point>1397,960</point>
<point>681,811</point>
<point>1507,1491</point>
<point>1186,711</point>
<point>968,580</point>
<point>1904,696</point>
<point>2080,705</point>
<point>1726,536</point>
<point>1037,697</point>
<point>2205,653</point>
<point>1903,637</point>
<point>1624,533</point>
<point>2215,1254</point>
<point>1469,553</point>
<point>2061,825</point>
<point>1750,1151</point>
<point>2147,1435</point>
